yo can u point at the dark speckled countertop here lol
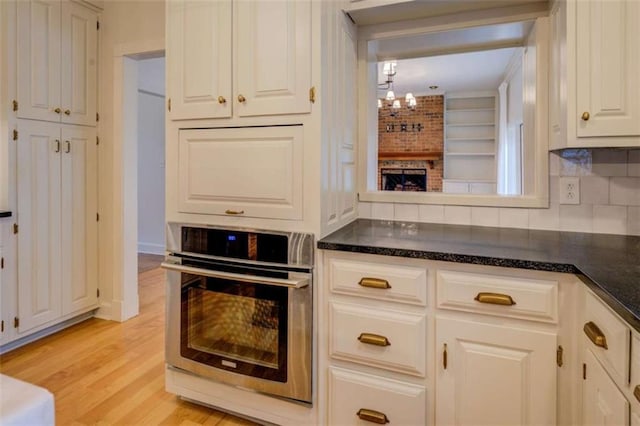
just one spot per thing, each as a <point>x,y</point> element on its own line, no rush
<point>608,264</point>
<point>5,213</point>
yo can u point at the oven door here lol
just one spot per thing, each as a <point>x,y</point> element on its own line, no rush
<point>241,325</point>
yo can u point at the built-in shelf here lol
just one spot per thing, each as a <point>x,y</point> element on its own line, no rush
<point>470,142</point>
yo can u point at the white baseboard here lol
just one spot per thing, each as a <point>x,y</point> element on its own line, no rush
<point>151,248</point>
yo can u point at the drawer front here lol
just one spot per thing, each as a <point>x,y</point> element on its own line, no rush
<point>613,334</point>
<point>635,373</point>
<point>386,339</point>
<point>498,295</point>
<point>379,281</point>
<point>350,392</point>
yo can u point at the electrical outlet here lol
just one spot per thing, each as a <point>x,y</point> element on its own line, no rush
<point>569,190</point>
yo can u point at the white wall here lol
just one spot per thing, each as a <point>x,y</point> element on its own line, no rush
<point>151,155</point>
<point>124,25</point>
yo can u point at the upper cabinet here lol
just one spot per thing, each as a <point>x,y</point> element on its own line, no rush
<point>595,74</point>
<point>254,60</point>
<point>57,62</point>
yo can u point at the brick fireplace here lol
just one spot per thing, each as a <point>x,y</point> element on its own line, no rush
<point>413,139</point>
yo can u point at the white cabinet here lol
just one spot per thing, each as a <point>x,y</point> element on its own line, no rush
<point>490,374</point>
<point>57,62</point>
<point>602,402</point>
<point>56,215</point>
<point>595,74</point>
<point>249,172</point>
<point>267,44</point>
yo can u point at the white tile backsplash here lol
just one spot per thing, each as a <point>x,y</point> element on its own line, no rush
<point>609,199</point>
<point>609,162</point>
<point>594,190</point>
<point>382,211</point>
<point>610,219</point>
<point>514,218</point>
<point>457,215</point>
<point>624,191</point>
<point>485,216</point>
<point>576,218</point>
<point>433,213</point>
<point>406,212</point>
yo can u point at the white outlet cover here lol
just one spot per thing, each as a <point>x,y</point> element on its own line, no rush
<point>569,190</point>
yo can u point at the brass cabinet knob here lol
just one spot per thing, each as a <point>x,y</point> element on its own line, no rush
<point>222,100</point>
<point>57,110</point>
<point>67,112</point>
<point>241,99</point>
<point>585,116</point>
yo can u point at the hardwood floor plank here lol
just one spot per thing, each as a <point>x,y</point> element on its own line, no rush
<point>108,373</point>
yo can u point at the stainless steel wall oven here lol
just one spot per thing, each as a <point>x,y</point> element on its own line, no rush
<point>239,308</point>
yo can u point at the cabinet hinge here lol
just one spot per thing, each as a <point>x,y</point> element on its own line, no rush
<point>97,140</point>
<point>15,105</point>
<point>584,371</point>
<point>16,322</point>
<point>97,217</point>
<point>15,228</point>
<point>312,94</point>
<point>97,117</point>
<point>97,25</point>
<point>559,354</point>
<point>2,326</point>
<point>169,104</point>
<point>2,263</point>
<point>98,292</point>
<point>15,135</point>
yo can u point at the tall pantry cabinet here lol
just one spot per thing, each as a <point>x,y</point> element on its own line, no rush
<point>50,67</point>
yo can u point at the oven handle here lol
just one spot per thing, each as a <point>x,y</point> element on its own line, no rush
<point>295,283</point>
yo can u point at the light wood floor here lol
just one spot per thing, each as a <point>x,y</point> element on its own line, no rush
<point>104,372</point>
<point>147,262</point>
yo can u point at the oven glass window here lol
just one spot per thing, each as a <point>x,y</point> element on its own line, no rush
<point>236,326</point>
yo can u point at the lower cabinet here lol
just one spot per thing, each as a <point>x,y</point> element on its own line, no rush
<point>602,402</point>
<point>490,374</point>
<point>57,222</point>
<point>357,398</point>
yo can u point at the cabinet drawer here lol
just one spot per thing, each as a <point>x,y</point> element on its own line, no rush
<point>358,334</point>
<point>609,338</point>
<point>396,283</point>
<point>512,297</point>
<point>350,392</point>
<point>635,372</point>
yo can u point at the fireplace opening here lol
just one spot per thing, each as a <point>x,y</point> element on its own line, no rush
<point>404,179</point>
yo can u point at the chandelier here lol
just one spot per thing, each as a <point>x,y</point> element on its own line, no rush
<point>389,71</point>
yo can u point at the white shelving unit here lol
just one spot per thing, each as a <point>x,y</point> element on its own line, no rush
<point>470,143</point>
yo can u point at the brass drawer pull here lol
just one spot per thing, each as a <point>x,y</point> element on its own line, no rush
<point>374,283</point>
<point>372,416</point>
<point>495,299</point>
<point>595,335</point>
<point>373,339</point>
<point>636,393</point>
<point>236,212</point>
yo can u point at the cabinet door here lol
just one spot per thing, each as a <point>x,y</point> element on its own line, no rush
<point>38,54</point>
<point>608,68</point>
<point>79,64</point>
<point>252,172</point>
<point>38,215</point>
<point>602,402</point>
<point>79,187</point>
<point>199,59</point>
<point>494,374</point>
<point>273,57</point>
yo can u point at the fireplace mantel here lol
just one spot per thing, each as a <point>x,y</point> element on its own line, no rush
<point>410,155</point>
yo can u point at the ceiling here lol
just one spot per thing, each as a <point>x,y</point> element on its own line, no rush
<point>471,71</point>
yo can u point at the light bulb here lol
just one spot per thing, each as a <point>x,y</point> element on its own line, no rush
<point>390,95</point>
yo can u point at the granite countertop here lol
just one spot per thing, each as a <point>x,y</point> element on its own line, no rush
<point>608,264</point>
<point>5,213</point>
